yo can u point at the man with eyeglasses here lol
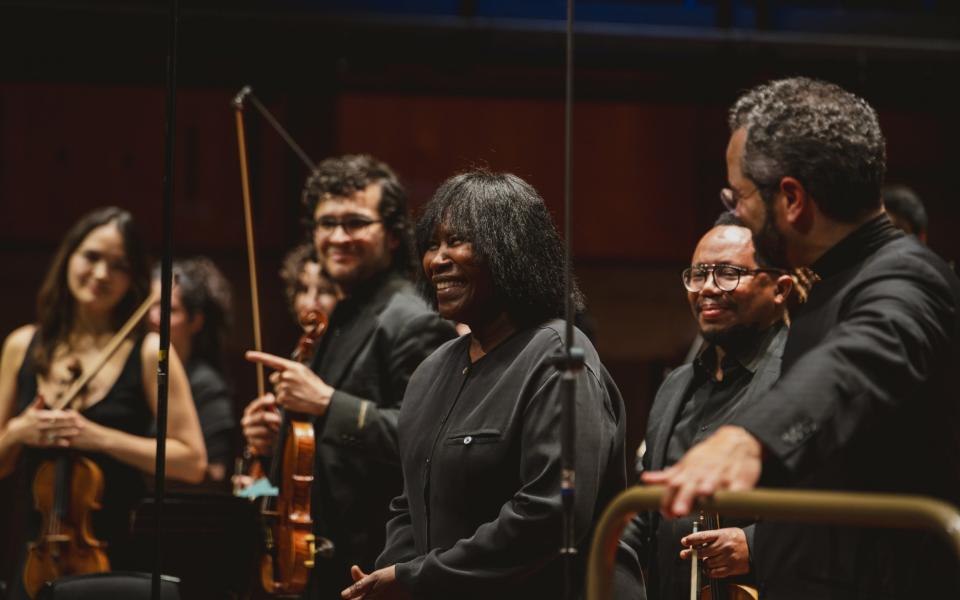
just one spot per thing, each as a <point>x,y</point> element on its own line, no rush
<point>378,334</point>
<point>739,303</point>
<point>867,398</point>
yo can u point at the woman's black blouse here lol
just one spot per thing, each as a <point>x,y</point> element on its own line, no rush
<point>480,449</point>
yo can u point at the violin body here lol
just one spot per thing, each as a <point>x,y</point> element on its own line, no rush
<point>66,491</point>
<point>291,545</point>
<point>285,567</point>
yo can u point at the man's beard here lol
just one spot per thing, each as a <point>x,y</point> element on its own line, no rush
<point>769,242</point>
<point>734,339</point>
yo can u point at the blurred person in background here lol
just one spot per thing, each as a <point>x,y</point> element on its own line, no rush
<point>201,313</point>
<point>906,210</point>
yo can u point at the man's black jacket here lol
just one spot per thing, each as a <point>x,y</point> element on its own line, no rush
<point>640,534</point>
<point>867,401</point>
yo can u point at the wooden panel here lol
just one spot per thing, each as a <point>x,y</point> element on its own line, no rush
<point>66,149</point>
<point>636,170</point>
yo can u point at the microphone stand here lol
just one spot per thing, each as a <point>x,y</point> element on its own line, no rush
<point>166,286</point>
<point>570,360</point>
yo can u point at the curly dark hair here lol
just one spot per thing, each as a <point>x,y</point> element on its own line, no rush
<point>291,268</point>
<point>510,228</point>
<point>346,175</point>
<point>204,291</point>
<point>55,303</point>
<point>820,134</point>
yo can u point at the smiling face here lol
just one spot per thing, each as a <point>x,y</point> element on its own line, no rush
<point>98,274</point>
<point>754,305</point>
<point>352,253</point>
<point>462,280</point>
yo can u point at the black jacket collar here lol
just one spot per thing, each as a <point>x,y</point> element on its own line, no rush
<point>853,249</point>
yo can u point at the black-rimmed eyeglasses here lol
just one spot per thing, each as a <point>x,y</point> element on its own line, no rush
<point>351,225</point>
<point>725,277</point>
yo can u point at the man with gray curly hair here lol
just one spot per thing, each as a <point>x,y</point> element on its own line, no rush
<point>865,400</point>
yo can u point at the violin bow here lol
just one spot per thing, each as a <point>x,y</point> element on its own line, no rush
<point>248,226</point>
<point>695,564</point>
<point>109,350</point>
<point>246,93</point>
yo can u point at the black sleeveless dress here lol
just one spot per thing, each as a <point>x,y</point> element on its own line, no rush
<point>123,408</point>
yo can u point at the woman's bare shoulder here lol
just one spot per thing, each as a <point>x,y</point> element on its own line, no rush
<point>16,344</point>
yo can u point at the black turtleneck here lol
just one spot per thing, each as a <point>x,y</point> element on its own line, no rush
<point>836,268</point>
<point>853,249</point>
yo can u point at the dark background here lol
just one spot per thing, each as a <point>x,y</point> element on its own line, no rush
<point>433,87</point>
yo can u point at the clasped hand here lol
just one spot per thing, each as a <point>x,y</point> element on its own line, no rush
<point>724,552</point>
<point>41,427</point>
<point>260,423</point>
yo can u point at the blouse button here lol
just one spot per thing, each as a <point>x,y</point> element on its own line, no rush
<point>466,370</point>
<point>467,440</point>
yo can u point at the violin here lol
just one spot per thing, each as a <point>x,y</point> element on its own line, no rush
<point>68,489</point>
<point>290,544</point>
<point>66,492</point>
<point>285,511</point>
<point>715,588</point>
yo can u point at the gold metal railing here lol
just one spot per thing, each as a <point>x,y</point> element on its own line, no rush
<point>870,510</point>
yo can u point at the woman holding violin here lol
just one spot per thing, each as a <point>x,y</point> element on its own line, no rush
<point>479,429</point>
<point>99,441</point>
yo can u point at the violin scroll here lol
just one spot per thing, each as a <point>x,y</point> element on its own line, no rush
<point>314,324</point>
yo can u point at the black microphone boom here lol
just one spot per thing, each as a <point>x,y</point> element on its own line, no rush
<point>166,286</point>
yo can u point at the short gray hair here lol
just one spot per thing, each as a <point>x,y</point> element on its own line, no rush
<point>820,134</point>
